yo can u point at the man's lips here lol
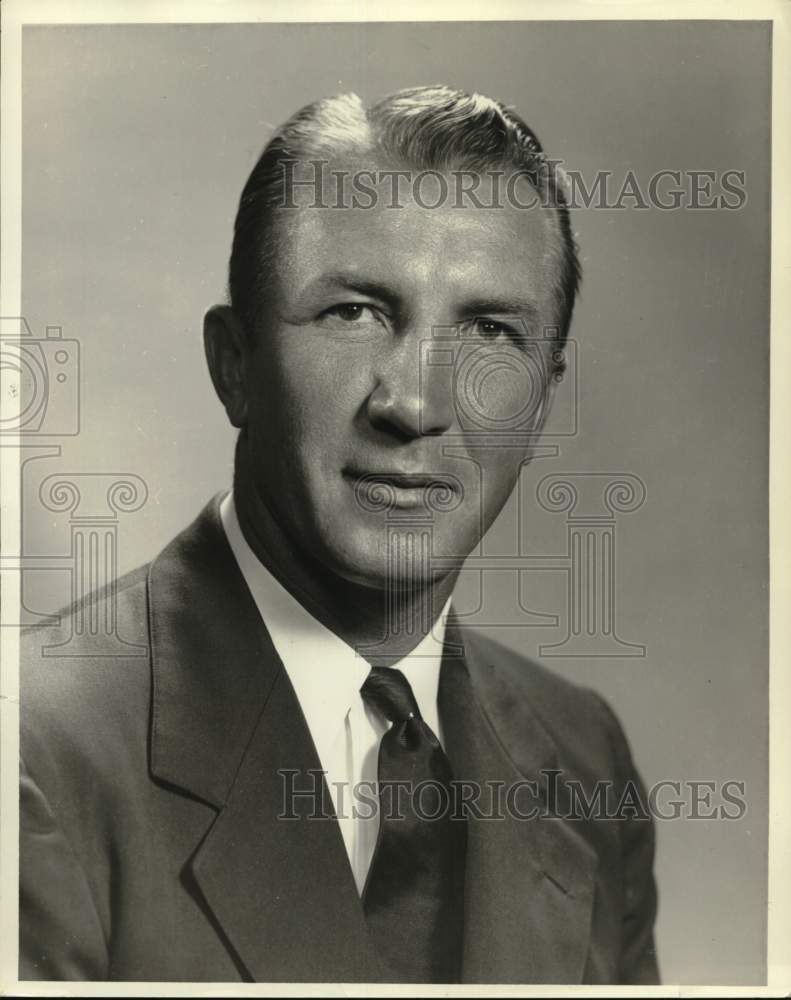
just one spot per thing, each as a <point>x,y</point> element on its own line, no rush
<point>407,480</point>
<point>393,487</point>
<point>404,479</point>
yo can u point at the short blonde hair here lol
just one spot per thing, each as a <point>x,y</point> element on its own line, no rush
<point>430,128</point>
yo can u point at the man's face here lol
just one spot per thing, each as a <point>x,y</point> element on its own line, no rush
<point>388,357</point>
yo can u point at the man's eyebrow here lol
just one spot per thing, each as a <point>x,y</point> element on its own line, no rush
<point>354,283</point>
<point>527,308</point>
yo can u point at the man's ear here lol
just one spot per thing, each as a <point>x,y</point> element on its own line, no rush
<point>225,342</point>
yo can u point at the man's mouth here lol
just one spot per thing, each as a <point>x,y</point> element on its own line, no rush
<point>386,489</point>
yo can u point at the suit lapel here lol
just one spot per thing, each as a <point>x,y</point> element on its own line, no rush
<point>274,868</point>
<point>226,725</point>
<point>529,882</point>
<point>227,728</point>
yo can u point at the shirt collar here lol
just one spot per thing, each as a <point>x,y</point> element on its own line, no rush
<point>326,672</point>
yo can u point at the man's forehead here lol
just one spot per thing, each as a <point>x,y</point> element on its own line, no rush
<point>364,216</point>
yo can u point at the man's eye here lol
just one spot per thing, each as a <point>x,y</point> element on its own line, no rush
<point>492,328</point>
<point>350,312</point>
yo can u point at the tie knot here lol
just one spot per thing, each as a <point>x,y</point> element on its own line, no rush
<point>388,690</point>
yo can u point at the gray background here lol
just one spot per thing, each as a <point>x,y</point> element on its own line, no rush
<point>137,141</point>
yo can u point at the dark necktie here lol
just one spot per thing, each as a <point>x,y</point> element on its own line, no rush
<point>413,896</point>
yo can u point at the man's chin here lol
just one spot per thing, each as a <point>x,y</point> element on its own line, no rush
<point>402,564</point>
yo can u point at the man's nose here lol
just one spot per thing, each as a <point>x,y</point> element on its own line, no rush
<point>412,397</point>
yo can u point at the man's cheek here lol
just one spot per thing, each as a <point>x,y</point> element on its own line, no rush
<point>498,391</point>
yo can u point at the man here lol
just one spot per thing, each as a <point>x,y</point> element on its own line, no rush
<point>199,813</point>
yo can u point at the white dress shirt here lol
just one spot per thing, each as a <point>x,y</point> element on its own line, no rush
<point>327,675</point>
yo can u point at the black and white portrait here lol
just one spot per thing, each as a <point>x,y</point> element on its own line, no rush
<point>387,404</point>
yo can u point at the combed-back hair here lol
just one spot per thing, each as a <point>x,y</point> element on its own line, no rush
<point>428,128</point>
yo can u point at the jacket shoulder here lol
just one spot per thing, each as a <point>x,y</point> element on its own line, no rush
<point>548,692</point>
<point>589,738</point>
<point>85,681</point>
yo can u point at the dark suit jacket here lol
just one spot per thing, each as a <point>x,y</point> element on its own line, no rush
<point>150,844</point>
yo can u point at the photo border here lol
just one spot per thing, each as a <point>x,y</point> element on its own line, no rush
<point>18,13</point>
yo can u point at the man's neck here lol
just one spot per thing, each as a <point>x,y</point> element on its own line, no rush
<point>382,630</point>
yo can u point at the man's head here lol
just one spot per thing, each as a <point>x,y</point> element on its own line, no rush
<point>419,129</point>
<point>400,281</point>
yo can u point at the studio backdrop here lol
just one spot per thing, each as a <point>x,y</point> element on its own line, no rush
<point>634,557</point>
